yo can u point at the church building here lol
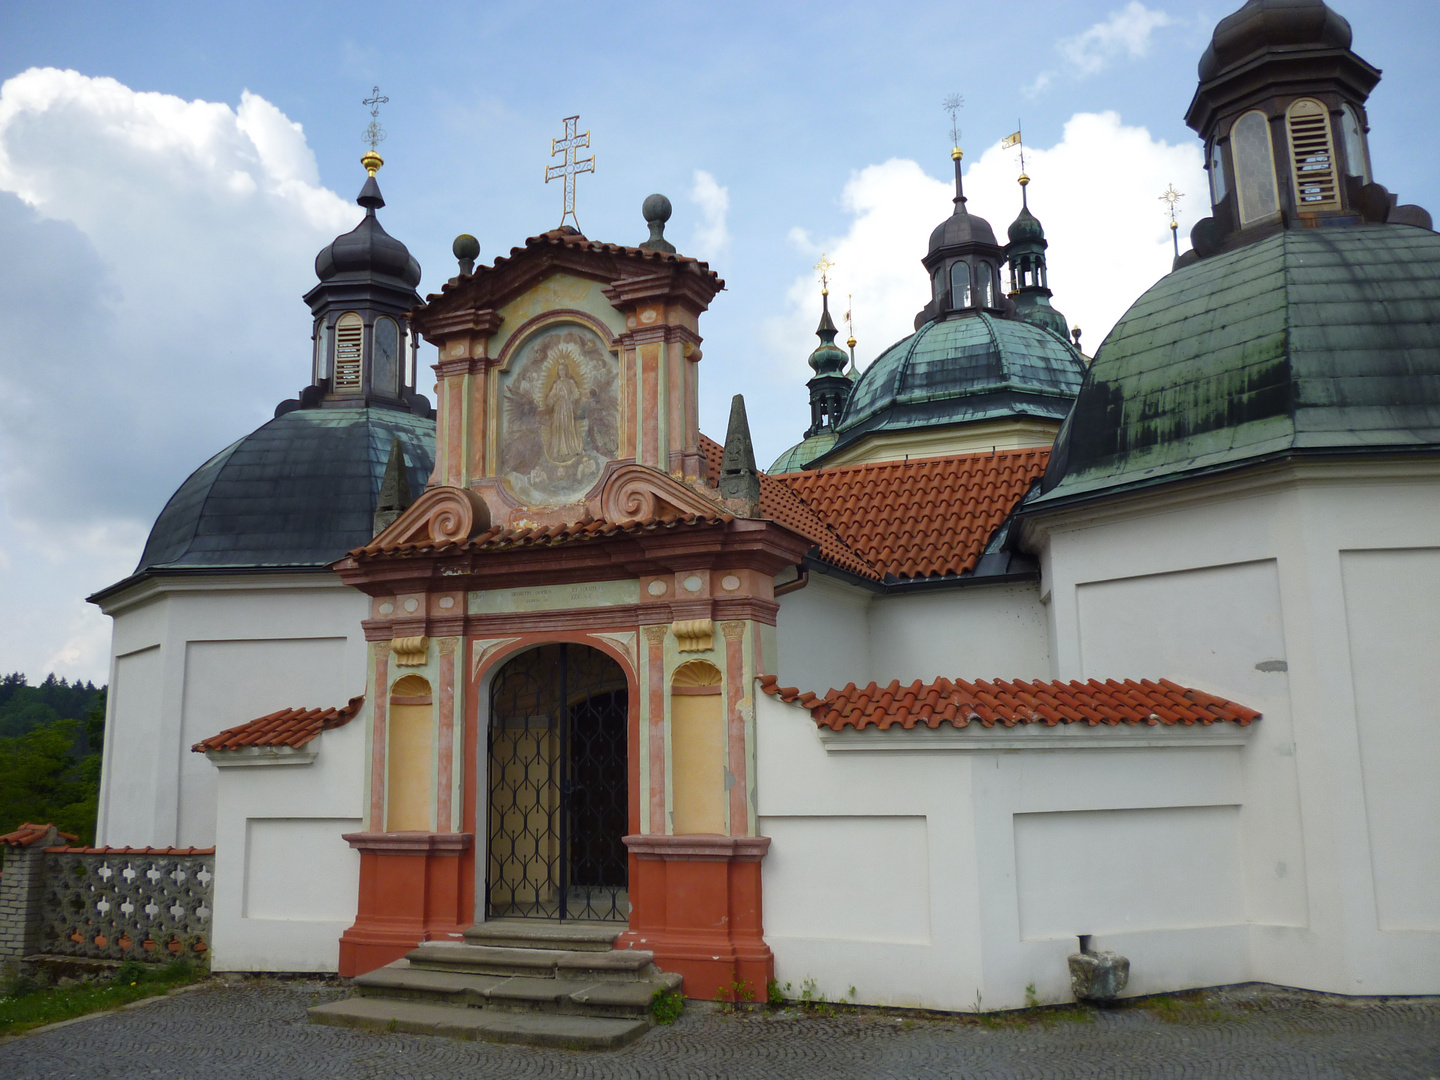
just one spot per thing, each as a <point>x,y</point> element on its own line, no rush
<point>1014,657</point>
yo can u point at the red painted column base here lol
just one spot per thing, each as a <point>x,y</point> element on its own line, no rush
<point>695,903</point>
<point>410,891</point>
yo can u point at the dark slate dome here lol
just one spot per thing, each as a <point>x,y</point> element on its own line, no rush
<point>298,492</point>
<point>1274,26</point>
<point>979,367</point>
<point>1331,344</point>
<point>1025,228</point>
<point>367,251</point>
<point>961,228</point>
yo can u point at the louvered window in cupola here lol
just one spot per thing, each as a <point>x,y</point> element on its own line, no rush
<point>349,339</point>
<point>1312,156</point>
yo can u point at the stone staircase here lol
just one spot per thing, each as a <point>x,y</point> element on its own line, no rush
<point>560,984</point>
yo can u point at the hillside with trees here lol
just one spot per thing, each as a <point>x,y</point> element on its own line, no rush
<point>51,737</point>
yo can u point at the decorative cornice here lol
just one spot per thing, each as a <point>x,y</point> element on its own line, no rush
<point>976,739</point>
<point>699,847</point>
<point>409,843</point>
<point>633,492</point>
<point>441,514</point>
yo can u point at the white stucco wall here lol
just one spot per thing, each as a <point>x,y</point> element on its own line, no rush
<point>1312,595</point>
<point>831,634</point>
<point>193,656</point>
<point>286,884</point>
<point>956,875</point>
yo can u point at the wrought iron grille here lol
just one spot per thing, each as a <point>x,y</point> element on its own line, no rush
<point>559,791</point>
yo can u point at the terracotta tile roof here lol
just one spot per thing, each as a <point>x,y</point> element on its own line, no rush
<point>1008,703</point>
<point>500,539</point>
<point>576,242</point>
<point>28,834</point>
<point>288,727</point>
<point>920,518</point>
<point>779,503</point>
<point>130,850</point>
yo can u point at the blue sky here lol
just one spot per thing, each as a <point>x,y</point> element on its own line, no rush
<point>777,130</point>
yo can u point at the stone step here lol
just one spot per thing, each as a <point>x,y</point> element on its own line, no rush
<point>561,1030</point>
<point>485,959</point>
<point>615,964</point>
<point>543,934</point>
<point>605,997</point>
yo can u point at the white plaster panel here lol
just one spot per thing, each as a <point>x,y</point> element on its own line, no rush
<point>132,729</point>
<point>847,878</point>
<point>1109,871</point>
<point>980,632</point>
<point>822,636</point>
<point>231,682</point>
<point>1392,613</point>
<point>300,869</point>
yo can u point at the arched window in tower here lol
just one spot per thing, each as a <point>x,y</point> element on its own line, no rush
<point>1357,157</point>
<point>349,342</point>
<point>986,275</point>
<point>1312,156</point>
<point>385,370</point>
<point>322,350</point>
<point>960,284</point>
<point>1254,160</point>
<point>1217,175</point>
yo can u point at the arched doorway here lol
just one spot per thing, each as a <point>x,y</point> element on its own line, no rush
<point>558,785</point>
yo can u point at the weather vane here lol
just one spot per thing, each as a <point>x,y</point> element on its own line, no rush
<point>569,166</point>
<point>952,105</point>
<point>852,372</point>
<point>824,266</point>
<point>1170,197</point>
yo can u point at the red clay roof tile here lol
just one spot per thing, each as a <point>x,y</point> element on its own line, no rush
<point>500,539</point>
<point>1009,703</point>
<point>69,850</point>
<point>28,834</point>
<point>288,727</point>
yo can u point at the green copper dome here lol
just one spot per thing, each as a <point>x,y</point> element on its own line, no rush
<point>1309,341</point>
<point>976,367</point>
<point>803,452</point>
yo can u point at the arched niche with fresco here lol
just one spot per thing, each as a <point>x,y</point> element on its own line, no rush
<point>559,415</point>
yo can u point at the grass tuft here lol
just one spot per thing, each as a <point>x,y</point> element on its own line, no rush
<point>25,1004</point>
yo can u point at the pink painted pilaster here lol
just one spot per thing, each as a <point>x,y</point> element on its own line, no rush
<point>377,744</point>
<point>735,725</point>
<point>655,674</point>
<point>445,774</point>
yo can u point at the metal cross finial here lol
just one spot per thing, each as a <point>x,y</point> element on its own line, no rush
<point>374,133</point>
<point>1170,197</point>
<point>570,166</point>
<point>824,266</point>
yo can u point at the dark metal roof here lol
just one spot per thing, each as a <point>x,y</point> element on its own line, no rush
<point>298,492</point>
<point>976,367</point>
<point>1311,340</point>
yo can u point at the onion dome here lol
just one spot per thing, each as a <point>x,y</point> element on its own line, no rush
<point>297,493</point>
<point>961,228</point>
<point>828,358</point>
<point>1272,26</point>
<point>952,371</point>
<point>368,251</point>
<point>1313,356</point>
<point>1029,275</point>
<point>1026,228</point>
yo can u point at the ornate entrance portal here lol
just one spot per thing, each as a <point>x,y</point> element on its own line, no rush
<point>558,787</point>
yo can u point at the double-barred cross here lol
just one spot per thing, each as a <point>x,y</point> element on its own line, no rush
<point>570,167</point>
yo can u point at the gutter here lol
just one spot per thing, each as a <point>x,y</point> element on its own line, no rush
<point>901,586</point>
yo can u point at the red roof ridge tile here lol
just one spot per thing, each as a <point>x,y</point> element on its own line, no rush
<point>30,833</point>
<point>1012,703</point>
<point>285,727</point>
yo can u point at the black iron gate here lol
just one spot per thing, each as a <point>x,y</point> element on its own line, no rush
<point>559,792</point>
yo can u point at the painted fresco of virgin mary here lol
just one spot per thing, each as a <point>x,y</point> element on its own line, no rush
<point>562,442</point>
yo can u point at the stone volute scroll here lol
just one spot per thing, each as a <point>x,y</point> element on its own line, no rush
<point>441,515</point>
<point>631,492</point>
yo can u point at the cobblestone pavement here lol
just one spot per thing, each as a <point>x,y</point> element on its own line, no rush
<point>259,1029</point>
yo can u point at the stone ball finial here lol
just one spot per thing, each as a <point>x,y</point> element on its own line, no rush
<point>657,209</point>
<point>467,250</point>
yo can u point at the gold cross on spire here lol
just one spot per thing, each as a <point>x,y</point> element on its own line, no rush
<point>824,266</point>
<point>569,166</point>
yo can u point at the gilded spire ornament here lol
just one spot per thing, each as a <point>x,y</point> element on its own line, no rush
<point>1170,197</point>
<point>374,133</point>
<point>952,105</point>
<point>570,166</point>
<point>824,266</point>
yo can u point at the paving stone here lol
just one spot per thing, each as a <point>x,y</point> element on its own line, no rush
<point>259,1029</point>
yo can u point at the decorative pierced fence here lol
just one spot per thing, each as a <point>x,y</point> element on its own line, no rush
<point>145,904</point>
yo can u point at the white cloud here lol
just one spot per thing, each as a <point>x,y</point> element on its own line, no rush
<point>1096,192</point>
<point>152,315</point>
<point>711,236</point>
<point>1126,33</point>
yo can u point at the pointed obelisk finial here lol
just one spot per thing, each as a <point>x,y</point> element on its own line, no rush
<point>394,489</point>
<point>739,479</point>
